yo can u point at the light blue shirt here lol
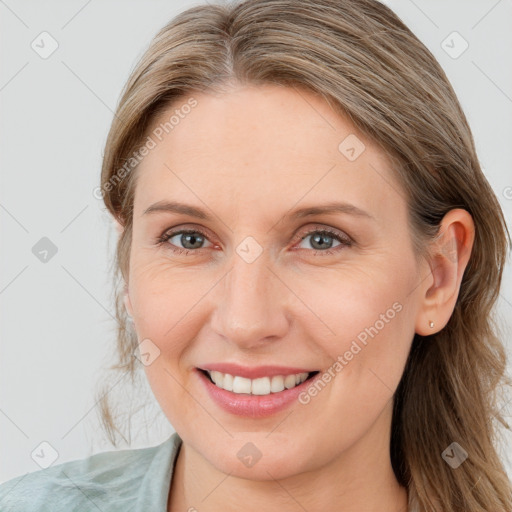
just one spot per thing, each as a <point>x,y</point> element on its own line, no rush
<point>136,480</point>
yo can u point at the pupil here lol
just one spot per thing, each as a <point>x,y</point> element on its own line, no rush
<point>320,239</point>
<point>185,238</point>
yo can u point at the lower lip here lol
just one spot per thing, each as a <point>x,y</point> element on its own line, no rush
<point>254,406</point>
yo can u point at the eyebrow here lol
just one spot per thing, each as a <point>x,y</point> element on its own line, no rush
<point>329,208</point>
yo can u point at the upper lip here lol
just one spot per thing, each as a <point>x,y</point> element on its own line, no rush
<point>254,372</point>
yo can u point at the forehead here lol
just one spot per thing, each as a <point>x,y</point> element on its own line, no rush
<point>262,145</point>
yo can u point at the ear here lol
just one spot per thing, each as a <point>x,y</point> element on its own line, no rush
<point>119,227</point>
<point>450,254</point>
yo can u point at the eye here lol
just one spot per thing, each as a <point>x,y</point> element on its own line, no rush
<point>322,240</point>
<point>191,239</point>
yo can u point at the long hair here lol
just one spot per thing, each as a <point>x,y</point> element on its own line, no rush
<point>361,58</point>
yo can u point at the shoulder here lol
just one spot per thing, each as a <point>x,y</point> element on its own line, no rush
<point>108,481</point>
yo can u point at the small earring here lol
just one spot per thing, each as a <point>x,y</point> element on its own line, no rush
<point>431,324</point>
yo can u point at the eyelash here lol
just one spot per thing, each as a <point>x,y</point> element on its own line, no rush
<point>344,240</point>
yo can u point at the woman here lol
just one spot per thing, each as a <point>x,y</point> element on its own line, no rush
<point>309,254</point>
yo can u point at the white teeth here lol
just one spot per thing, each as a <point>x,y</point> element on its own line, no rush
<point>240,385</point>
<point>277,384</point>
<point>227,383</point>
<point>260,386</point>
<point>289,381</point>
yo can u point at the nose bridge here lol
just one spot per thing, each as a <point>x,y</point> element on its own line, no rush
<point>250,307</point>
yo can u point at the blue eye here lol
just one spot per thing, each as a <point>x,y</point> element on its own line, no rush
<point>322,238</point>
<point>187,237</point>
<point>193,240</point>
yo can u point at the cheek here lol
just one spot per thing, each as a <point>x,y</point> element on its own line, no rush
<point>367,324</point>
<point>165,303</point>
<point>372,320</point>
<point>165,297</point>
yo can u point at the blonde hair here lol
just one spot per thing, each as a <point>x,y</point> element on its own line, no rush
<point>362,59</point>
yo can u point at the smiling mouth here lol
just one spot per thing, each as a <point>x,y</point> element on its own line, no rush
<point>259,386</point>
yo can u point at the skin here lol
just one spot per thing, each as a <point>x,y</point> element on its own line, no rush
<point>248,157</point>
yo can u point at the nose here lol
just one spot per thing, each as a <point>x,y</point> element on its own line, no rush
<point>251,304</point>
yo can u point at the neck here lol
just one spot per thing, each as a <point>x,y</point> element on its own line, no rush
<point>360,478</point>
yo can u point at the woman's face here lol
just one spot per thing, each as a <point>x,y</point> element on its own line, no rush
<point>255,283</point>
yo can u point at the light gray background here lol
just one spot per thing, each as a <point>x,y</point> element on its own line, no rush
<point>57,332</point>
